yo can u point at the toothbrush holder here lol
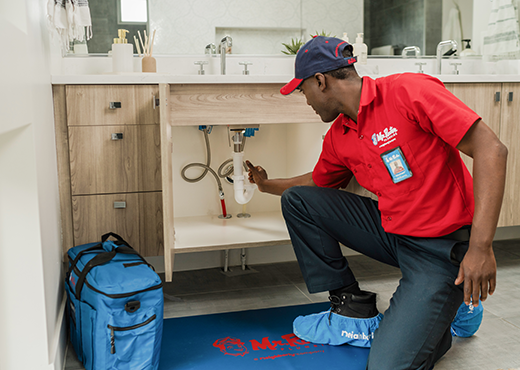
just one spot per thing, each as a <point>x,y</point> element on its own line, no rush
<point>149,64</point>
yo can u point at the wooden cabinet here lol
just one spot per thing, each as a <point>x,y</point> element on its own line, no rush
<point>109,156</point>
<point>495,103</point>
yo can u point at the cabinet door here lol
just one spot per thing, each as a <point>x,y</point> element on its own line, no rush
<point>95,215</point>
<point>480,98</point>
<point>510,136</point>
<point>99,164</point>
<point>151,224</point>
<point>90,105</point>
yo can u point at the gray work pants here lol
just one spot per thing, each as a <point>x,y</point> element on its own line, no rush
<point>415,330</point>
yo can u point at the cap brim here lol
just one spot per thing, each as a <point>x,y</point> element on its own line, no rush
<point>291,86</point>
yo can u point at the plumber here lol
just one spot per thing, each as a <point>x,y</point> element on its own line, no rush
<point>400,136</point>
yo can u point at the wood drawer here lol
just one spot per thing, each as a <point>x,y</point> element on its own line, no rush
<point>90,105</point>
<point>101,165</point>
<point>139,223</point>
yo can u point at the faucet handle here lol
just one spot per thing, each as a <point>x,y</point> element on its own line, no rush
<point>420,67</point>
<point>455,71</point>
<point>201,63</point>
<point>245,64</point>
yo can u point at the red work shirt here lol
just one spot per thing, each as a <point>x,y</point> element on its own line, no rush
<point>413,112</point>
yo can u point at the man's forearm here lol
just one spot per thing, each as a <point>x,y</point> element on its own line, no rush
<point>278,186</point>
<point>489,172</point>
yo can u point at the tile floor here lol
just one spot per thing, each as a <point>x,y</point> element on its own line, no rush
<point>495,346</point>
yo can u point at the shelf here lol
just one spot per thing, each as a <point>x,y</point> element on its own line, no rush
<point>210,233</point>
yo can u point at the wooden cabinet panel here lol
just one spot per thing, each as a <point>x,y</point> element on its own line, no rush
<point>146,108</point>
<point>95,215</point>
<point>149,157</point>
<point>151,224</point>
<point>90,105</point>
<point>100,165</point>
<point>510,136</point>
<point>236,104</point>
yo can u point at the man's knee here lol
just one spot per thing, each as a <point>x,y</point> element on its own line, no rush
<point>293,197</point>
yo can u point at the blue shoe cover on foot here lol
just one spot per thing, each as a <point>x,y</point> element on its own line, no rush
<point>317,329</point>
<point>467,321</point>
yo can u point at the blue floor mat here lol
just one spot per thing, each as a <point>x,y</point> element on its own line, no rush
<point>256,339</point>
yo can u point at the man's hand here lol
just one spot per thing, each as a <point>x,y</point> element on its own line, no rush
<point>257,175</point>
<point>478,271</point>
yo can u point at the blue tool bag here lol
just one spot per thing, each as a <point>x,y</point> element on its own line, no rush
<point>115,306</point>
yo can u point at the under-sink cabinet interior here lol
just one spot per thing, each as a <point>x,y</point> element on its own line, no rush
<point>121,150</point>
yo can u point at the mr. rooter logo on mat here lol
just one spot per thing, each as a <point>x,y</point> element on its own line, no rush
<point>288,345</point>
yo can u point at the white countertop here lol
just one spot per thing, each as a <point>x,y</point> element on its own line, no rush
<point>156,78</point>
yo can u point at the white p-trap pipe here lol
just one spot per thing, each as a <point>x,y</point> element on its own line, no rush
<point>243,188</point>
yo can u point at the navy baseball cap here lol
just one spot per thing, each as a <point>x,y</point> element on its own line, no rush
<point>319,55</point>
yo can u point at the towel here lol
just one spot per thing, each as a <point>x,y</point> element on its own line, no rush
<point>452,30</point>
<point>502,35</point>
<point>71,19</point>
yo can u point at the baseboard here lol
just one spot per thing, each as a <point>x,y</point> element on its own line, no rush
<point>59,343</point>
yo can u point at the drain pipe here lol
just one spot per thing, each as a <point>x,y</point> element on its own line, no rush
<point>243,191</point>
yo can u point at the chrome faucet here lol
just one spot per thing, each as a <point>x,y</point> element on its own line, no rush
<point>415,49</point>
<point>210,49</point>
<point>226,42</point>
<point>441,46</point>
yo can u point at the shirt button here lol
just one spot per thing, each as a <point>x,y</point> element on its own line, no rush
<point>361,137</point>
<point>389,218</point>
<point>379,194</point>
<point>369,166</point>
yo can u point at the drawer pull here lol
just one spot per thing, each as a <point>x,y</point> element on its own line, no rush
<point>114,105</point>
<point>155,102</point>
<point>510,97</point>
<point>117,136</point>
<point>497,96</point>
<point>119,204</point>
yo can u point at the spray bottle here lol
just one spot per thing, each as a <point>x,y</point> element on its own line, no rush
<point>360,49</point>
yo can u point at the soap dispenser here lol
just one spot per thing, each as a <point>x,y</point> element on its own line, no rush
<point>345,37</point>
<point>122,54</point>
<point>360,49</point>
<point>467,52</point>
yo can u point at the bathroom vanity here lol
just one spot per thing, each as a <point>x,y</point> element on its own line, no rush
<point>121,147</point>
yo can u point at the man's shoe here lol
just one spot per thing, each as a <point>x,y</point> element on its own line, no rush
<point>353,318</point>
<point>467,321</point>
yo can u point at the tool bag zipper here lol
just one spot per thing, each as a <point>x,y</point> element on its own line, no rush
<point>113,329</point>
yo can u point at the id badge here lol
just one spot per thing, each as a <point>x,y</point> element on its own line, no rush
<point>396,164</point>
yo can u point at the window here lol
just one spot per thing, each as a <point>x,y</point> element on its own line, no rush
<point>133,11</point>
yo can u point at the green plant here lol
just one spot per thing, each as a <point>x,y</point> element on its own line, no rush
<point>293,48</point>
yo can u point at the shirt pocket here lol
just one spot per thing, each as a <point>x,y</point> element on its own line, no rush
<point>383,181</point>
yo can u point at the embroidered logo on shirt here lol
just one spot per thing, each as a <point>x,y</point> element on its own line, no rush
<point>384,137</point>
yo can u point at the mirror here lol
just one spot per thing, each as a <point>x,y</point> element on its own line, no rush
<point>185,27</point>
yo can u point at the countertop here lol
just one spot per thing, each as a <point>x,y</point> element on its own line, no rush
<point>156,78</point>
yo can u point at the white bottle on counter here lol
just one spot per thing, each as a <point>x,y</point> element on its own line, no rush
<point>345,37</point>
<point>122,54</point>
<point>360,49</point>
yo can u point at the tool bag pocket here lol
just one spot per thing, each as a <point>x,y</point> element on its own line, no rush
<point>130,339</point>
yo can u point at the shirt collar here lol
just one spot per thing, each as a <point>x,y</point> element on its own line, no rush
<point>368,94</point>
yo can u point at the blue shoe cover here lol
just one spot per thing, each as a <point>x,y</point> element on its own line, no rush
<point>467,321</point>
<point>317,329</point>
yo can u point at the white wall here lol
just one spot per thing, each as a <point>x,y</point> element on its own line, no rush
<point>31,334</point>
<point>257,27</point>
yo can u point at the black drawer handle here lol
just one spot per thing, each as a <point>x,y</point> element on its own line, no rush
<point>114,105</point>
<point>497,96</point>
<point>117,136</point>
